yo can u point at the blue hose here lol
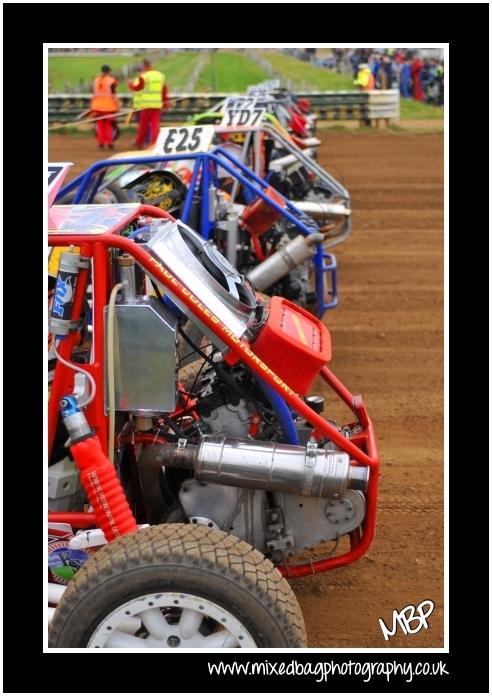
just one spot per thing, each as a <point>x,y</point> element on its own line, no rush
<point>284,415</point>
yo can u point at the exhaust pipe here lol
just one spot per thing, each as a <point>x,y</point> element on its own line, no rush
<point>320,211</point>
<point>267,466</point>
<point>288,257</point>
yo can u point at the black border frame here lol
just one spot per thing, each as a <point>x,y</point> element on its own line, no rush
<point>26,668</point>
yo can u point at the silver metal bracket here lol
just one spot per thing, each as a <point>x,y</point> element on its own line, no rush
<point>277,541</point>
<point>84,262</point>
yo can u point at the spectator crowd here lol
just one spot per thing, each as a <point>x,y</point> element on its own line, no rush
<point>416,77</point>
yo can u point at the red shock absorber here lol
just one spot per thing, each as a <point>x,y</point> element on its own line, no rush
<point>97,473</point>
<point>103,488</point>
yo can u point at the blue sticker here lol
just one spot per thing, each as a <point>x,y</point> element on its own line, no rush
<point>64,562</point>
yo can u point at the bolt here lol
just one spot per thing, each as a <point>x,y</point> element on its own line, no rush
<point>173,641</point>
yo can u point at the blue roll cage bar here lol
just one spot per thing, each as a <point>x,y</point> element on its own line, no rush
<point>88,183</point>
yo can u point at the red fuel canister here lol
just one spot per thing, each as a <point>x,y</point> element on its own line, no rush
<point>293,343</point>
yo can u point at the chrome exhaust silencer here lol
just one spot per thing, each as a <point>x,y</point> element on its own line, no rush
<point>288,257</point>
<point>319,211</point>
<point>268,466</point>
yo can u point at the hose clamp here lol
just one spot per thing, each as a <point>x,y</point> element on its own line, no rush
<point>309,468</point>
<point>84,262</point>
<point>287,257</point>
<point>62,327</point>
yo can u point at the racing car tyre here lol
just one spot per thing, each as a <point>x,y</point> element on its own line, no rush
<point>241,595</point>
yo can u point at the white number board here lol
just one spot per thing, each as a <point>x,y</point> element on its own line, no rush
<point>264,88</point>
<point>184,140</point>
<point>258,91</point>
<point>242,112</point>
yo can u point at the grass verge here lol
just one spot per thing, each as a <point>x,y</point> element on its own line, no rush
<point>66,73</point>
<point>411,109</point>
<point>306,76</point>
<point>234,72</point>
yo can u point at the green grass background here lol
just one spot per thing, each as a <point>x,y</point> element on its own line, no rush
<point>233,73</point>
<point>70,70</point>
<point>304,75</point>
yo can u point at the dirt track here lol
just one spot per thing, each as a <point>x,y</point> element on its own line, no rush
<point>387,336</point>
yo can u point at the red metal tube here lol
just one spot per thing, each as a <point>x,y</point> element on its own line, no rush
<point>154,212</point>
<point>239,347</point>
<point>257,246</point>
<point>78,520</point>
<point>363,448</point>
<point>337,386</point>
<point>95,412</point>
